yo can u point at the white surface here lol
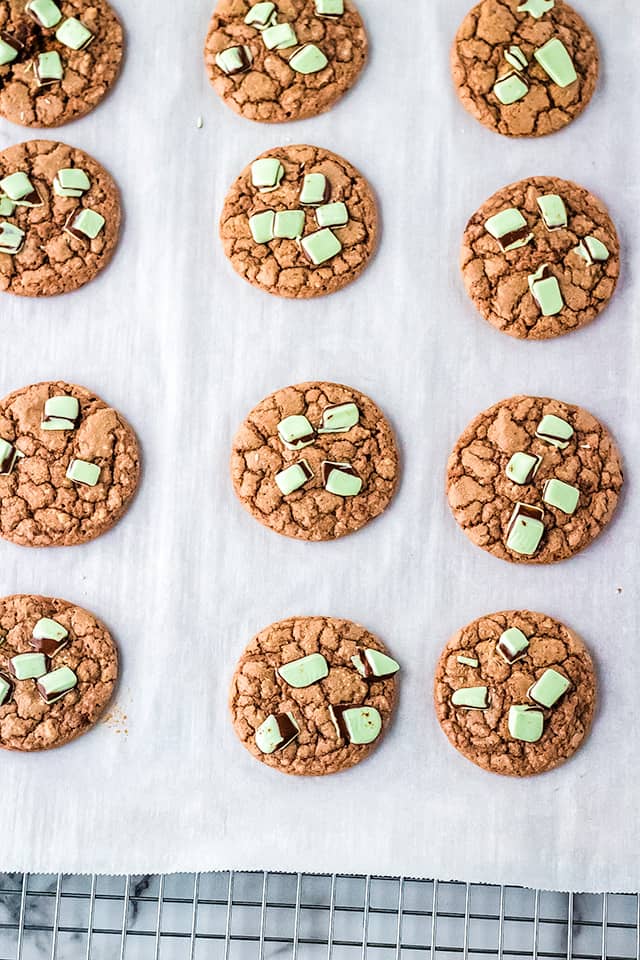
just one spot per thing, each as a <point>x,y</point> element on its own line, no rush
<point>171,336</point>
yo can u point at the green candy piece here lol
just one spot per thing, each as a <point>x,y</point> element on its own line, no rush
<point>555,430</point>
<point>522,468</point>
<point>261,15</point>
<point>308,59</point>
<point>359,725</point>
<point>277,732</point>
<point>48,629</point>
<point>296,432</point>
<point>289,224</point>
<point>49,68</point>
<point>46,12</point>
<point>545,290</point>
<point>339,418</point>
<point>266,174</point>
<point>80,471</point>
<point>280,36</point>
<point>17,186</point>
<point>516,58</point>
<point>261,226</point>
<point>537,8</point>
<point>305,671</point>
<point>74,34</point>
<point>8,456</point>
<point>554,59</point>
<point>11,238</point>
<point>329,8</point>
<point>71,182</point>
<point>526,723</point>
<point>28,666</point>
<point>53,686</point>
<point>592,251</point>
<point>88,222</point>
<point>5,690</point>
<point>234,60</point>
<point>8,53</point>
<point>7,207</point>
<point>549,688</point>
<point>341,479</point>
<point>315,190</point>
<point>512,645</point>
<point>471,698</point>
<point>468,661</point>
<point>60,413</point>
<point>525,530</point>
<point>294,477</point>
<point>372,663</point>
<point>561,495</point>
<point>332,215</point>
<point>510,89</point>
<point>321,246</point>
<point>554,212</point>
<point>510,229</point>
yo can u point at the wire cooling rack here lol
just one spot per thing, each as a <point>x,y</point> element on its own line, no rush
<point>259,916</point>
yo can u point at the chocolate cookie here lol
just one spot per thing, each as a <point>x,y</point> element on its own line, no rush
<point>69,465</point>
<point>534,480</point>
<point>313,695</point>
<point>58,59</point>
<point>524,68</point>
<point>58,668</point>
<point>284,60</point>
<point>540,258</point>
<point>515,692</point>
<point>315,461</point>
<point>59,218</point>
<point>299,222</point>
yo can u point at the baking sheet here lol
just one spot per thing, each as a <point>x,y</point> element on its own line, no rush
<point>184,348</point>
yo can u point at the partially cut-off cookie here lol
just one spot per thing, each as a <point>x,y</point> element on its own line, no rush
<point>313,695</point>
<point>58,670</point>
<point>515,692</point>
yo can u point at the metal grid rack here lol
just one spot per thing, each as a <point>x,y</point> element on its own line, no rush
<point>260,916</point>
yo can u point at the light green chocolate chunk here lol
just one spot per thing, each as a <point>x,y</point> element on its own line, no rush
<point>308,59</point>
<point>296,432</point>
<point>60,413</point>
<point>46,12</point>
<point>80,471</point>
<point>28,666</point>
<point>17,186</point>
<point>524,532</point>
<point>339,418</point>
<point>553,210</point>
<point>49,67</point>
<point>471,698</point>
<point>73,34</point>
<point>537,8</point>
<point>266,174</point>
<point>526,723</point>
<point>341,479</point>
<point>549,688</point>
<point>545,290</point>
<point>5,690</point>
<point>555,430</point>
<point>329,8</point>
<point>321,246</point>
<point>332,215</point>
<point>468,661</point>
<point>509,228</point>
<point>7,207</point>
<point>554,59</point>
<point>11,238</point>
<point>375,664</point>
<point>7,53</point>
<point>314,189</point>
<point>54,685</point>
<point>561,495</point>
<point>363,724</point>
<point>592,251</point>
<point>261,226</point>
<point>512,645</point>
<point>522,468</point>
<point>269,737</point>
<point>516,58</point>
<point>48,629</point>
<point>510,89</point>
<point>89,222</point>
<point>289,224</point>
<point>71,182</point>
<point>304,672</point>
<point>234,60</point>
<point>261,15</point>
<point>293,477</point>
<point>280,36</point>
<point>8,457</point>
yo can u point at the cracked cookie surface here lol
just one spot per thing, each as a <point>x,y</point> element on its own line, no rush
<point>39,505</point>
<point>498,282</point>
<point>478,61</point>
<point>270,91</point>
<point>483,736</point>
<point>280,267</point>
<point>28,723</point>
<point>89,73</point>
<point>312,512</point>
<point>482,497</point>
<point>51,260</point>
<point>258,691</point>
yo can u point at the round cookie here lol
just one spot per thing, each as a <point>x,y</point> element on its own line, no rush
<point>299,222</point>
<point>533,480</point>
<point>58,59</point>
<point>50,243</point>
<point>284,60</point>
<point>540,258</point>
<point>515,692</point>
<point>313,695</point>
<point>315,461</point>
<point>69,465</point>
<point>58,669</point>
<point>524,68</point>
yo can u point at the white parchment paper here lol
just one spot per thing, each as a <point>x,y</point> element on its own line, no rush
<point>171,336</point>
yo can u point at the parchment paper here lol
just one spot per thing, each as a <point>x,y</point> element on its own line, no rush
<point>171,336</point>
